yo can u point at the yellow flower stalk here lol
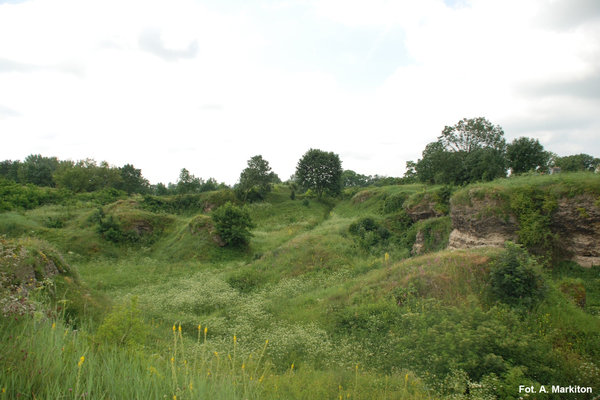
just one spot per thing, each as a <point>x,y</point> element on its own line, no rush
<point>53,325</point>
<point>174,329</point>
<point>81,360</point>
<point>179,328</point>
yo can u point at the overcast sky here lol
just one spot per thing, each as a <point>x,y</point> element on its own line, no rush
<point>208,84</point>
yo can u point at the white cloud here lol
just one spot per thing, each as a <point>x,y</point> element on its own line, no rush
<point>187,84</point>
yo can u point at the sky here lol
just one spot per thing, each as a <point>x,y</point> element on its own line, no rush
<point>207,84</point>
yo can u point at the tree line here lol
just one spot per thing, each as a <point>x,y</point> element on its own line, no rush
<point>476,150</point>
<point>469,151</point>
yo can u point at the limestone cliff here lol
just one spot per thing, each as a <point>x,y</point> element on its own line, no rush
<point>487,218</point>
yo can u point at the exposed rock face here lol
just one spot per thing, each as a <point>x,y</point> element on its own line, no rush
<point>477,225</point>
<point>423,210</point>
<point>576,220</point>
<point>419,244</point>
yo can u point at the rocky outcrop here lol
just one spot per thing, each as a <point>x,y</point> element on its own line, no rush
<point>486,221</point>
<point>481,223</point>
<point>577,222</point>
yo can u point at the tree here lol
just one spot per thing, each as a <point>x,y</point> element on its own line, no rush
<point>132,180</point>
<point>577,162</point>
<point>471,150</point>
<point>188,183</point>
<point>320,171</point>
<point>38,170</point>
<point>233,224</point>
<point>10,169</point>
<point>86,176</point>
<point>256,180</point>
<point>352,179</point>
<point>472,134</point>
<point>526,154</point>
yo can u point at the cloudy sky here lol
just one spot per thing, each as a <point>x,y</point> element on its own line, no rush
<point>207,84</point>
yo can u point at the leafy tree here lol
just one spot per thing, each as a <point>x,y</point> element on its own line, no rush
<point>10,169</point>
<point>160,189</point>
<point>484,164</point>
<point>410,176</point>
<point>86,176</point>
<point>233,224</point>
<point>440,166</point>
<point>352,179</point>
<point>256,180</point>
<point>188,183</point>
<point>132,180</point>
<point>320,171</point>
<point>472,134</point>
<point>577,162</point>
<point>471,150</point>
<point>38,170</point>
<point>526,154</point>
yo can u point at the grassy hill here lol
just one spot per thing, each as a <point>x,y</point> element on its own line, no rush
<point>342,298</point>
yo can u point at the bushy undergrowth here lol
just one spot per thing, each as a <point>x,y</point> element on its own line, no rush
<point>516,278</point>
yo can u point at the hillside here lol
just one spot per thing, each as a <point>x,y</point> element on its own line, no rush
<point>353,297</point>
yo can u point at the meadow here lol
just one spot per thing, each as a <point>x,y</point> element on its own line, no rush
<point>328,301</point>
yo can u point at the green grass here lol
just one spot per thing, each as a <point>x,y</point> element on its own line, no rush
<point>416,327</point>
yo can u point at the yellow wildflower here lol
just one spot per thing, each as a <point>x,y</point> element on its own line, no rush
<point>81,360</point>
<point>54,325</point>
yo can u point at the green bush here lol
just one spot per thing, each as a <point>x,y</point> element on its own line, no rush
<point>516,279</point>
<point>393,203</point>
<point>368,232</point>
<point>233,224</point>
<point>123,326</point>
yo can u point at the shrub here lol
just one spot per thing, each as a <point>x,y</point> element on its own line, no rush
<point>516,278</point>
<point>123,326</point>
<point>393,203</point>
<point>233,224</point>
<point>369,233</point>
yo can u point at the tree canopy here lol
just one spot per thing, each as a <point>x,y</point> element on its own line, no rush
<point>526,154</point>
<point>256,180</point>
<point>320,171</point>
<point>471,150</point>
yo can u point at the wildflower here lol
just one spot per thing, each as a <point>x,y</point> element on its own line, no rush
<point>174,397</point>
<point>3,390</point>
<point>81,360</point>
<point>172,360</point>
<point>216,354</point>
<point>199,328</point>
<point>54,325</point>
<point>234,339</point>
<point>387,257</point>
<point>292,367</point>
<point>243,366</point>
<point>205,329</point>
<point>191,386</point>
<point>174,328</point>
<point>179,328</point>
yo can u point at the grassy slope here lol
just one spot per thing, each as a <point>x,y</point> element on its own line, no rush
<point>326,305</point>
